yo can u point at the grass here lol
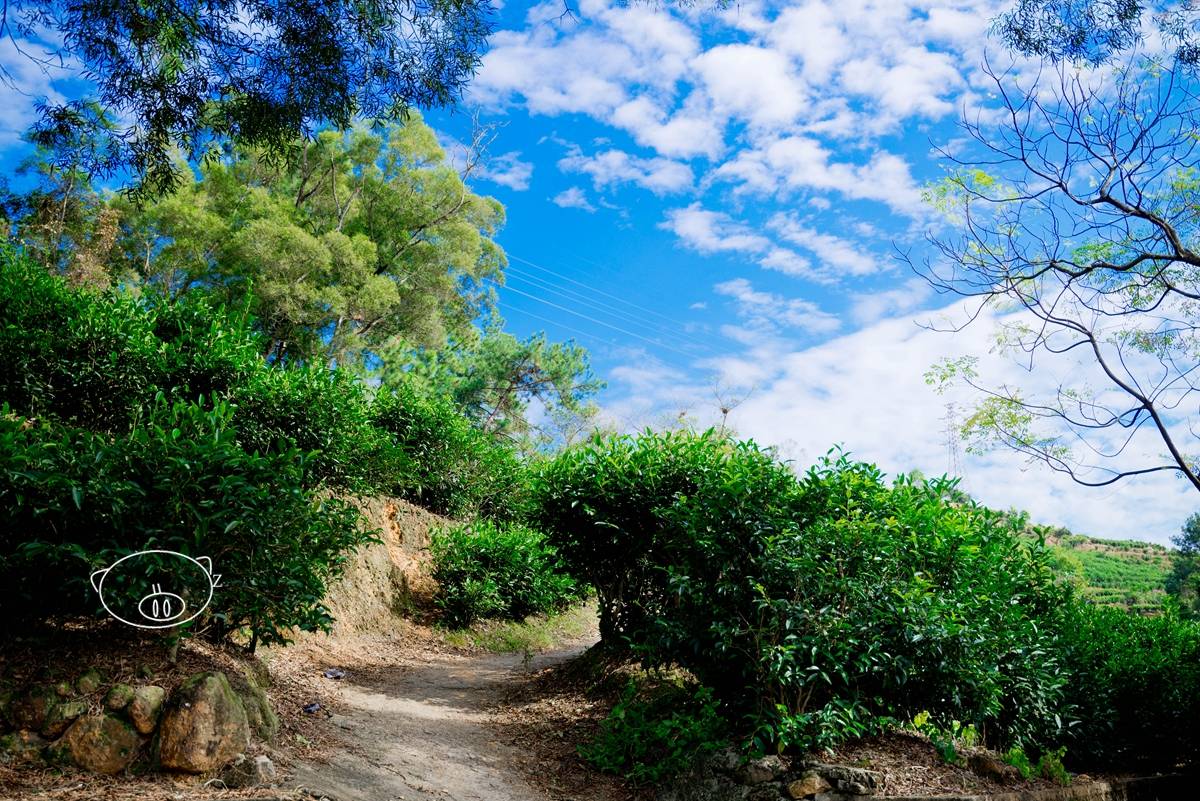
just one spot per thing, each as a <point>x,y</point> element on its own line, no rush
<point>533,635</point>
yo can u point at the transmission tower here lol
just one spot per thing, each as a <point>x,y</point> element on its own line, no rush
<point>954,460</point>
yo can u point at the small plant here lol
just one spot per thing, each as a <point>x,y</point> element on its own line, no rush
<point>490,570</point>
<point>946,740</point>
<point>650,738</point>
<point>1017,757</point>
<point>1051,767</point>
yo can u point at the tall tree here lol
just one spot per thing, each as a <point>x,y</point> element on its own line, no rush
<point>262,72</point>
<point>364,238</point>
<point>532,390</point>
<point>1074,219</point>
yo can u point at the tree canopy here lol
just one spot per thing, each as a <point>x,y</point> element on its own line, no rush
<point>365,238</point>
<point>262,72</point>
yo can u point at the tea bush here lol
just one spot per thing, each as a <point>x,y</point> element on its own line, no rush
<point>73,501</point>
<point>437,459</point>
<point>1134,689</point>
<point>490,570</point>
<point>649,737</point>
<point>819,607</point>
<point>132,423</point>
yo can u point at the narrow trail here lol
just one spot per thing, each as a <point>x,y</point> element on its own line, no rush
<point>418,732</point>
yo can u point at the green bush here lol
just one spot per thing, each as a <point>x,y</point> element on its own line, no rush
<point>490,570</point>
<point>819,607</point>
<point>1135,688</point>
<point>437,459</point>
<point>651,737</point>
<point>73,501</point>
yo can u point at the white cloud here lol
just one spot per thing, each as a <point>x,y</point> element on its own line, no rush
<point>801,162</point>
<point>508,170</point>
<point>752,83</point>
<point>573,198</point>
<point>768,312</point>
<point>713,231</point>
<point>22,83</point>
<point>866,391</point>
<point>835,255</point>
<point>613,167</point>
<point>871,307</point>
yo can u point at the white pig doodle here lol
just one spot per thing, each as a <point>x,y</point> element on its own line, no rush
<point>132,588</point>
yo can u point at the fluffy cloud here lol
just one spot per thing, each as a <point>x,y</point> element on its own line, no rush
<point>508,170</point>
<point>835,255</point>
<point>766,312</point>
<point>613,167</point>
<point>573,198</point>
<point>713,231</point>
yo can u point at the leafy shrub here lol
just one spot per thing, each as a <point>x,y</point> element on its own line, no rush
<point>650,737</point>
<point>73,501</point>
<point>485,569</point>
<point>1135,688</point>
<point>819,607</point>
<point>1017,757</point>
<point>1050,766</point>
<point>437,459</point>
<point>321,412</point>
<point>604,507</point>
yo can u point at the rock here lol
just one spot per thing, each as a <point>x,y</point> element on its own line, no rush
<point>62,715</point>
<point>29,709</point>
<point>21,748</point>
<point>264,723</point>
<point>757,771</point>
<point>101,743</point>
<point>118,697</point>
<point>725,761</point>
<point>204,726</point>
<point>89,682</point>
<point>64,689</point>
<point>810,783</point>
<point>145,707</point>
<point>989,767</point>
<point>244,772</point>
<point>847,779</point>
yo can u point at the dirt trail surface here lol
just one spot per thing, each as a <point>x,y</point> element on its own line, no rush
<point>420,731</point>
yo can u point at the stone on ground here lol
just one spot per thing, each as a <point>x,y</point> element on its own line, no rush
<point>204,726</point>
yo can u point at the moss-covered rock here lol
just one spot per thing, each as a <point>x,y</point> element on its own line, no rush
<point>101,743</point>
<point>89,682</point>
<point>29,709</point>
<point>119,697</point>
<point>204,726</point>
<point>62,715</point>
<point>146,707</point>
<point>21,748</point>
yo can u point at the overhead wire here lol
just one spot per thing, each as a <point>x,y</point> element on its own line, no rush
<point>602,308</point>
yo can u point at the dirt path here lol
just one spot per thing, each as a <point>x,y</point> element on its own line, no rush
<point>417,732</point>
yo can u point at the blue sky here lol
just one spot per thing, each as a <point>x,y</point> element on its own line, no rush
<point>711,201</point>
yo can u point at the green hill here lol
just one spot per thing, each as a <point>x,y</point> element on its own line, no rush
<point>1114,572</point>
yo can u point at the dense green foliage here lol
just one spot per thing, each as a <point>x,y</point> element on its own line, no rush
<point>262,71</point>
<point>833,604</point>
<point>1134,578</point>
<point>137,423</point>
<point>1134,689</point>
<point>652,735</point>
<point>490,570</point>
<point>1184,581</point>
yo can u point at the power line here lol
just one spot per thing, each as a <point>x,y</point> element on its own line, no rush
<point>624,331</point>
<point>605,308</point>
<point>609,295</point>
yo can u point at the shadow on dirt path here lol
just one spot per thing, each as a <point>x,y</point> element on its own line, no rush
<point>417,732</point>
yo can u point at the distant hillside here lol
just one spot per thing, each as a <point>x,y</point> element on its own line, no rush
<point>1114,572</point>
